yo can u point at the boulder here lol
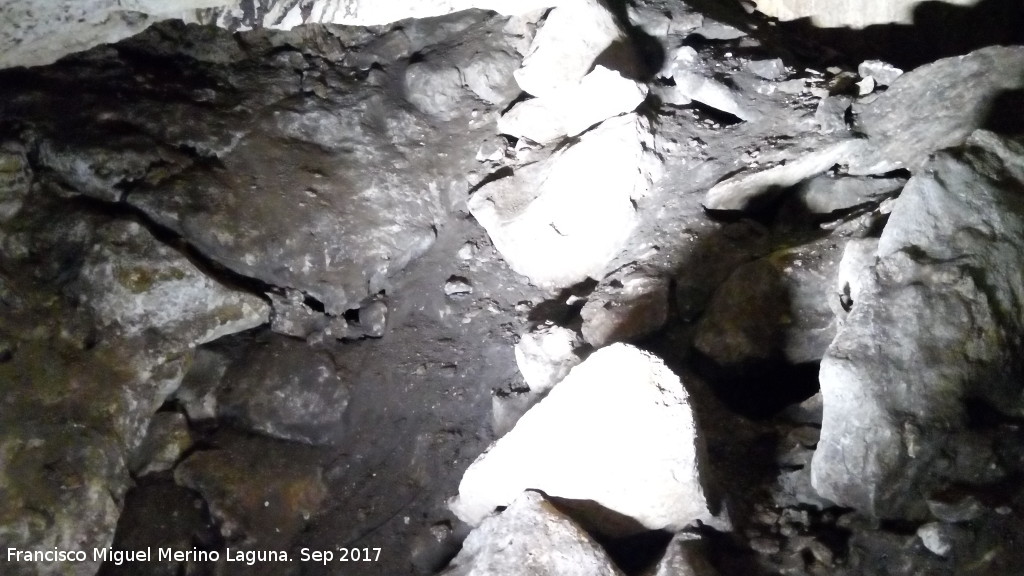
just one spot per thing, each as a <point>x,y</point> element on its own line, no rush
<point>530,538</point>
<point>258,490</point>
<point>617,433</point>
<point>15,179</point>
<point>695,81</point>
<point>826,194</point>
<point>601,94</point>
<point>935,106</point>
<point>574,35</point>
<point>166,441</point>
<point>774,308</point>
<point>545,355</point>
<point>847,13</point>
<point>883,73</point>
<point>283,388</point>
<point>564,219</point>
<point>626,308</point>
<point>934,324</point>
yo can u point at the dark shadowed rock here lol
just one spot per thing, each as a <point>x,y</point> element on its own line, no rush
<point>282,388</point>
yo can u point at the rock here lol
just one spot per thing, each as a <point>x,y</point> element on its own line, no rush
<point>136,286</point>
<point>15,179</point>
<point>490,77</point>
<point>685,556</point>
<point>935,538</point>
<point>827,194</point>
<point>565,49</point>
<point>598,435</point>
<point>530,537</point>
<point>954,95</point>
<point>952,509</point>
<point>63,488</point>
<point>831,114</point>
<point>535,218</point>
<point>254,492</point>
<point>601,94</point>
<point>807,412</point>
<point>46,31</point>
<point>282,388</point>
<point>773,69</point>
<point>197,394</point>
<point>846,13</point>
<point>743,191</point>
<point>434,89</point>
<point>928,330</point>
<point>157,516</point>
<point>774,308</point>
<point>545,356</point>
<point>167,439</point>
<point>664,18</point>
<point>457,286</point>
<point>624,310</point>
<point>373,318</point>
<point>884,74</point>
<point>694,81</point>
<point>859,257</point>
<point>107,167</point>
<point>292,316</point>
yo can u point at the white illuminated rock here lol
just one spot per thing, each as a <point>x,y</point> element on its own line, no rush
<point>530,538</point>
<point>617,431</point>
<point>573,36</point>
<point>601,94</point>
<point>546,355</point>
<point>563,220</point>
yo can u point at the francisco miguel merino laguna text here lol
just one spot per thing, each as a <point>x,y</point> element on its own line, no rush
<point>118,557</point>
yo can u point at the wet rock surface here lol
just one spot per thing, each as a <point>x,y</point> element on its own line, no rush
<point>737,306</point>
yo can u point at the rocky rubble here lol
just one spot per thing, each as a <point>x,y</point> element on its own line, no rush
<point>630,289</point>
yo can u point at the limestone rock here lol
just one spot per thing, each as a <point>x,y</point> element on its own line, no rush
<point>847,13</point>
<point>530,538</point>
<point>772,308</point>
<point>744,190</point>
<point>883,73</point>
<point>926,331</point>
<point>935,106</point>
<point>601,94</point>
<point>545,356</point>
<point>694,81</point>
<point>38,32</point>
<point>282,388</point>
<point>134,284</point>
<point>575,33</point>
<point>63,487</point>
<point>617,431</point>
<point>831,114</point>
<point>253,491</point>
<point>197,394</point>
<point>774,69</point>
<point>624,309</point>
<point>167,439</point>
<point>685,556</point>
<point>827,194</point>
<point>562,220</point>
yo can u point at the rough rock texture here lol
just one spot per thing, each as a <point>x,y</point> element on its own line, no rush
<point>601,94</point>
<point>254,494</point>
<point>633,305</point>
<point>38,32</point>
<point>545,356</point>
<point>574,35</point>
<point>773,308</point>
<point>564,219</point>
<point>281,388</point>
<point>617,422</point>
<point>826,194</point>
<point>530,537</point>
<point>693,80</point>
<point>937,106</point>
<point>933,327</point>
<point>167,440</point>
<point>685,556</point>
